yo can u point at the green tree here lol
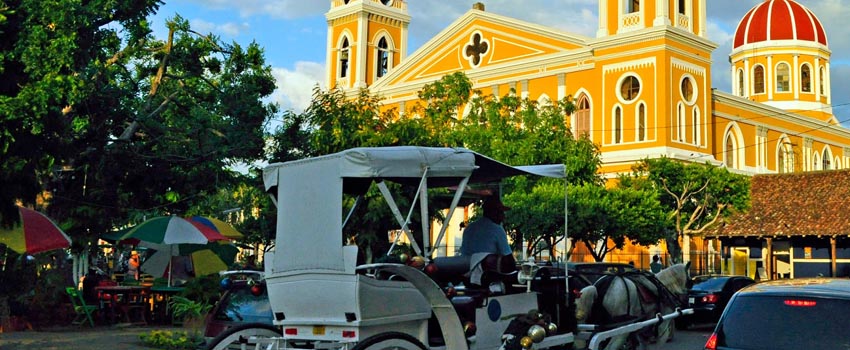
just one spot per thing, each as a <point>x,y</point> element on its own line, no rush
<point>122,125</point>
<point>695,196</point>
<point>603,219</point>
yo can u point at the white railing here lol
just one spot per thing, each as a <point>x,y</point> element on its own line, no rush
<point>683,22</point>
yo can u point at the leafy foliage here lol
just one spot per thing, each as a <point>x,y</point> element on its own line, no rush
<point>695,196</point>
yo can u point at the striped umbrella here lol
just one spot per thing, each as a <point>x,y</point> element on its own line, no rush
<point>173,230</point>
<point>167,233</point>
<point>222,227</point>
<point>35,233</point>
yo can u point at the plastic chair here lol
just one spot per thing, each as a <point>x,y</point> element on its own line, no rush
<point>83,311</point>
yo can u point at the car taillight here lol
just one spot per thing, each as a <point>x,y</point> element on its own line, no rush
<point>711,344</point>
<point>290,331</point>
<point>349,334</point>
<point>802,303</point>
<point>711,298</point>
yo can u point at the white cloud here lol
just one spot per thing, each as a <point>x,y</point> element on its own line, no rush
<point>286,9</point>
<point>295,87</point>
<point>226,29</point>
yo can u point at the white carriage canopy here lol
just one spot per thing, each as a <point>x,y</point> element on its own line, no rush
<point>310,192</point>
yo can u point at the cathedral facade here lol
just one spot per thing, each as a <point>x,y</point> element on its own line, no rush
<point>642,85</point>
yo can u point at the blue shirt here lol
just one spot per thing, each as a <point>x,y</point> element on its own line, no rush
<point>484,236</point>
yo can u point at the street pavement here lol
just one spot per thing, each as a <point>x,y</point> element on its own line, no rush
<point>76,338</point>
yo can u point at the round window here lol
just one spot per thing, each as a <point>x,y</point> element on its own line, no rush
<point>387,2</point>
<point>630,88</point>
<point>687,90</point>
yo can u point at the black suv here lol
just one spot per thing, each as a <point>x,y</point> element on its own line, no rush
<point>811,313</point>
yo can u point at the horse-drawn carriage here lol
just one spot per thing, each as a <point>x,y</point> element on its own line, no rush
<point>321,298</point>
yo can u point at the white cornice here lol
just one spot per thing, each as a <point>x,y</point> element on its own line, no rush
<point>575,60</point>
<point>635,155</point>
<point>367,6</point>
<point>782,45</point>
<point>808,123</point>
<point>653,33</point>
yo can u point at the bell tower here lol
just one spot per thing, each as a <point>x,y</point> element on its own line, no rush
<point>366,39</point>
<point>623,16</point>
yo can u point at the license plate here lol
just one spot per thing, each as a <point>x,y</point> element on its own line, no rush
<point>318,330</point>
<point>691,301</point>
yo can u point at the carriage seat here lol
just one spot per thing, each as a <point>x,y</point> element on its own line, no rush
<point>475,270</point>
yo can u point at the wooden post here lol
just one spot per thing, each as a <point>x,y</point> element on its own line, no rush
<point>832,264</point>
<point>768,259</point>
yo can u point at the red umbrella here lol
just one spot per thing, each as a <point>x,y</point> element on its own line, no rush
<point>35,233</point>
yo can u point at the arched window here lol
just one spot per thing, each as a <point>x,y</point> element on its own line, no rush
<point>785,157</point>
<point>618,125</point>
<point>740,82</point>
<point>680,123</point>
<point>729,151</point>
<point>641,122</point>
<point>816,161</point>
<point>806,78</point>
<point>695,128</point>
<point>820,80</point>
<point>634,6</point>
<point>783,77</point>
<point>343,58</point>
<point>383,57</point>
<point>582,126</point>
<point>758,80</point>
<point>825,163</point>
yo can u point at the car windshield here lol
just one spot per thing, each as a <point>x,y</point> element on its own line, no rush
<point>708,283</point>
<point>242,306</point>
<point>776,322</point>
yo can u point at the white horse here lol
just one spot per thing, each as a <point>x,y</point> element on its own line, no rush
<point>633,297</point>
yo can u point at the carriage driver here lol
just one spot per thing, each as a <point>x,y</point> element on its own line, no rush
<point>486,235</point>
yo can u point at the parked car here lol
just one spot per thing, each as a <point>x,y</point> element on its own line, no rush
<point>708,297</point>
<point>238,305</point>
<point>811,313</point>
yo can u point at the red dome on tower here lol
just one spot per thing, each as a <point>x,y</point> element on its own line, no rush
<point>779,20</point>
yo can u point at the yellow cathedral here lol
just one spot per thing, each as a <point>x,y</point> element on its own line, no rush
<point>642,85</point>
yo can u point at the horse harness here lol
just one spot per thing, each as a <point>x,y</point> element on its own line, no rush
<point>639,278</point>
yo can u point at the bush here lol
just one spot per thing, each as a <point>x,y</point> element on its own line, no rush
<point>179,340</point>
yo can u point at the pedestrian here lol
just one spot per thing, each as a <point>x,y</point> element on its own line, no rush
<point>133,265</point>
<point>655,266</point>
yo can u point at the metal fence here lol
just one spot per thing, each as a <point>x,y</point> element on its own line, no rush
<point>702,263</point>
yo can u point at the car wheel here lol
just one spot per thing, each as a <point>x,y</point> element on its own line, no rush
<point>252,335</point>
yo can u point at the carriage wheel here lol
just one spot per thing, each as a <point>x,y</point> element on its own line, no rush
<point>390,341</point>
<point>244,337</point>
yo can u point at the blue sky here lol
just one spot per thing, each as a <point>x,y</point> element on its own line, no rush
<point>293,33</point>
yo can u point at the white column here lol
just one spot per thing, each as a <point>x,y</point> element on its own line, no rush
<point>562,86</point>
<point>747,82</point>
<point>828,82</point>
<point>769,74</point>
<point>816,84</point>
<point>362,46</point>
<point>795,77</point>
<point>662,14</point>
<point>702,18</point>
<point>402,48</point>
<point>329,60</point>
<point>602,31</point>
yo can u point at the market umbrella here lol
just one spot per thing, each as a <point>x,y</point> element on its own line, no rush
<point>205,258</point>
<point>35,233</point>
<point>166,233</point>
<point>222,227</point>
<point>173,230</point>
